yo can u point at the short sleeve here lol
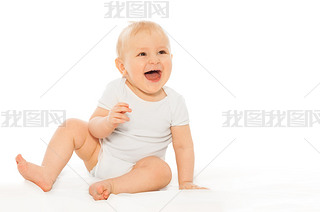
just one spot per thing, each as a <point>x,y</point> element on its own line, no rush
<point>109,97</point>
<point>180,114</point>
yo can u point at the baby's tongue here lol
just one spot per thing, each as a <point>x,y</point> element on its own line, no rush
<point>153,76</point>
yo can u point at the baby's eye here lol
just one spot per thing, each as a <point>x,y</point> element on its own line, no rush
<point>142,54</point>
<point>162,52</point>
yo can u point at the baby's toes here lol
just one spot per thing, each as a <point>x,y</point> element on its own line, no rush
<point>106,194</point>
<point>96,192</point>
<point>100,189</point>
<point>97,196</point>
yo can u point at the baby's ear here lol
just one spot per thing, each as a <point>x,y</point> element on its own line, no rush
<point>171,56</point>
<point>120,66</point>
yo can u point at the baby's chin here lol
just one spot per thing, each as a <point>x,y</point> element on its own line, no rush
<point>152,91</point>
<point>150,87</point>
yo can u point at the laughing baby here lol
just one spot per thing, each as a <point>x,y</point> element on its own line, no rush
<point>125,141</point>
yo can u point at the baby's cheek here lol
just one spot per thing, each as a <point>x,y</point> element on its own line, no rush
<point>168,63</point>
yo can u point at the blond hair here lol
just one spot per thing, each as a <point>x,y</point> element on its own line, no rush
<point>133,29</point>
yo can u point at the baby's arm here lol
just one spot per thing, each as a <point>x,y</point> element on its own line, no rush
<point>103,122</point>
<point>183,147</point>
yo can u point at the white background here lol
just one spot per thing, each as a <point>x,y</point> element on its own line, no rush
<point>266,53</point>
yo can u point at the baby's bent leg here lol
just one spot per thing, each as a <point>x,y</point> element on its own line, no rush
<point>72,135</point>
<point>149,174</point>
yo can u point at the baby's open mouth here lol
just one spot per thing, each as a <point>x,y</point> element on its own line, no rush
<point>153,75</point>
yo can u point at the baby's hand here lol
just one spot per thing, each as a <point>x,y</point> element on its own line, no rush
<point>190,185</point>
<point>117,115</point>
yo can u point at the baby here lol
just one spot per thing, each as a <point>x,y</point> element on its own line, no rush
<point>136,118</point>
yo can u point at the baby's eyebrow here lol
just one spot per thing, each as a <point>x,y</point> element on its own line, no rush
<point>141,49</point>
<point>145,48</point>
<point>163,47</point>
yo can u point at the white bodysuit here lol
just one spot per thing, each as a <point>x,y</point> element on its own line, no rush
<point>146,134</point>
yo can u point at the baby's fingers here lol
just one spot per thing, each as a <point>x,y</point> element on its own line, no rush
<point>121,117</point>
<point>198,187</point>
<point>202,188</point>
<point>122,109</point>
<point>192,186</point>
<point>122,104</point>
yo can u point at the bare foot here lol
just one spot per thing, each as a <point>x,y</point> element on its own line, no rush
<point>34,173</point>
<point>101,190</point>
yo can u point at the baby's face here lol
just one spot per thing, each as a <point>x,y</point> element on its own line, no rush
<point>148,61</point>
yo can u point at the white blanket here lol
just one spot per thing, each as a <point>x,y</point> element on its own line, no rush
<point>231,189</point>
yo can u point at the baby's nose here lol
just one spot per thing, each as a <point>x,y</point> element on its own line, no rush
<point>154,60</point>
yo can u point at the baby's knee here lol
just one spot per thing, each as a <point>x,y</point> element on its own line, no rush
<point>162,172</point>
<point>160,169</point>
<point>74,124</point>
<point>167,174</point>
